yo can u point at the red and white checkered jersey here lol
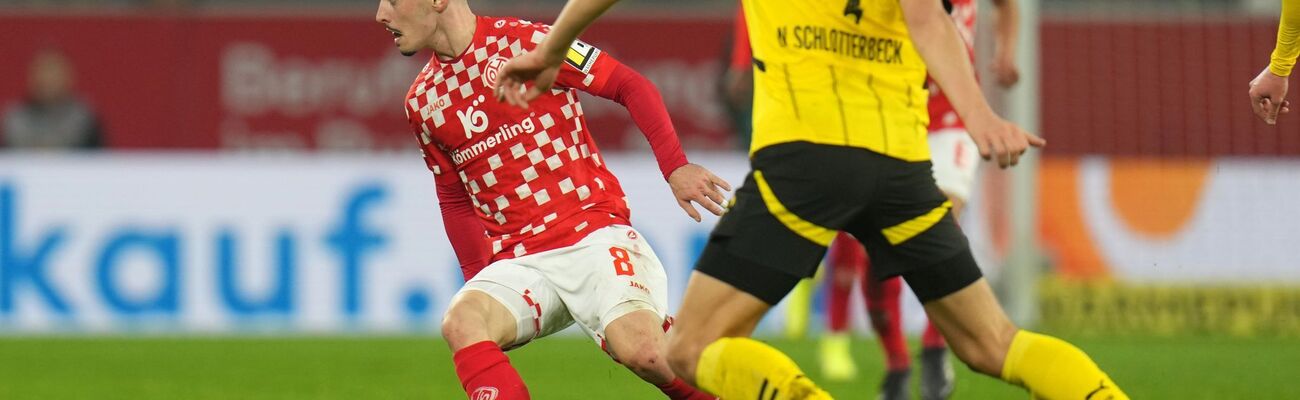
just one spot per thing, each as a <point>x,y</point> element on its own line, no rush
<point>942,114</point>
<point>535,175</point>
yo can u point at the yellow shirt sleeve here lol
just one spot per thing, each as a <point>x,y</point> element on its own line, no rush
<point>1288,39</point>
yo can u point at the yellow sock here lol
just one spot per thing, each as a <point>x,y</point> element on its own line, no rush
<point>1052,369</point>
<point>743,368</point>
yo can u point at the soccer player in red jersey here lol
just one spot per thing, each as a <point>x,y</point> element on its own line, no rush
<point>539,224</point>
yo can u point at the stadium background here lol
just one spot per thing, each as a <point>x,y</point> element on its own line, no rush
<point>255,223</point>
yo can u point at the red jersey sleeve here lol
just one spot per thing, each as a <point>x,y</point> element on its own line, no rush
<point>591,70</point>
<point>625,86</point>
<point>742,57</point>
<point>464,231</point>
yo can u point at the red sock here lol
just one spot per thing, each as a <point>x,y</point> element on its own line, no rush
<point>846,256</point>
<point>932,339</point>
<point>679,390</point>
<point>486,374</point>
<point>883,306</point>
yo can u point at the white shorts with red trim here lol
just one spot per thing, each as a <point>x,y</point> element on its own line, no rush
<point>955,158</point>
<point>608,274</point>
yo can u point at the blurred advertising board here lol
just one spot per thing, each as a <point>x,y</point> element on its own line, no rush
<point>209,243</point>
<point>203,242</point>
<point>280,80</point>
<point>1171,246</point>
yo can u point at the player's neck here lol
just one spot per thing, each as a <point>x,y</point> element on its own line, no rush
<point>456,32</point>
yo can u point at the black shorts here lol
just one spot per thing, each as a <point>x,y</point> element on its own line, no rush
<point>800,195</point>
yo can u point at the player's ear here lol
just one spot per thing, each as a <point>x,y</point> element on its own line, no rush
<point>439,5</point>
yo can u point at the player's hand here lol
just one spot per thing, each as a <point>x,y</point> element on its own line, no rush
<point>1005,69</point>
<point>1268,96</point>
<point>1001,140</point>
<point>531,66</point>
<point>693,183</point>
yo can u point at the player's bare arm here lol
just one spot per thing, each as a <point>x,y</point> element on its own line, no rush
<point>542,65</point>
<point>690,183</point>
<point>1006,35</point>
<point>1268,89</point>
<point>937,41</point>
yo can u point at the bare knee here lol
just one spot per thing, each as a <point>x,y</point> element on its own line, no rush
<point>644,360</point>
<point>475,317</point>
<point>462,327</point>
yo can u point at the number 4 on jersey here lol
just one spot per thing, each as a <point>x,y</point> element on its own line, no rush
<point>854,8</point>
<point>622,261</point>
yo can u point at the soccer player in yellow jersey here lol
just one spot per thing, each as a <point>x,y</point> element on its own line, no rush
<point>1268,90</point>
<point>840,145</point>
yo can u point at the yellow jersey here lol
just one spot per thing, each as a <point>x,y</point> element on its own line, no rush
<point>837,72</point>
<point>1288,39</point>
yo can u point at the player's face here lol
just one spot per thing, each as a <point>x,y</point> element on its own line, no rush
<point>410,22</point>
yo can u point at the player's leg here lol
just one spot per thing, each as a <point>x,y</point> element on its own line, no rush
<point>962,306</point>
<point>913,234</point>
<point>616,289</point>
<point>476,328</point>
<point>725,298</point>
<point>503,307</point>
<point>774,234</point>
<point>938,380</point>
<point>798,307</point>
<point>842,268</point>
<point>709,345</point>
<point>982,336</point>
<point>475,317</point>
<point>954,158</point>
<point>932,339</point>
<point>885,312</point>
<point>637,340</point>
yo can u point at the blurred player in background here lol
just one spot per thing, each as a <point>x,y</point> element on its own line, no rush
<point>736,85</point>
<point>51,116</point>
<point>1268,89</point>
<point>540,226</point>
<point>839,144</point>
<point>954,156</point>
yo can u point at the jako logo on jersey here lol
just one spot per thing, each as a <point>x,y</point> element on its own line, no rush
<point>484,393</point>
<point>473,120</point>
<point>493,67</point>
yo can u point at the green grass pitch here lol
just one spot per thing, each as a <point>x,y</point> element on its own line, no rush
<point>555,368</point>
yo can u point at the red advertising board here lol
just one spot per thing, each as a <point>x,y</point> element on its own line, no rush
<point>1159,86</point>
<point>243,81</point>
<point>1165,87</point>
